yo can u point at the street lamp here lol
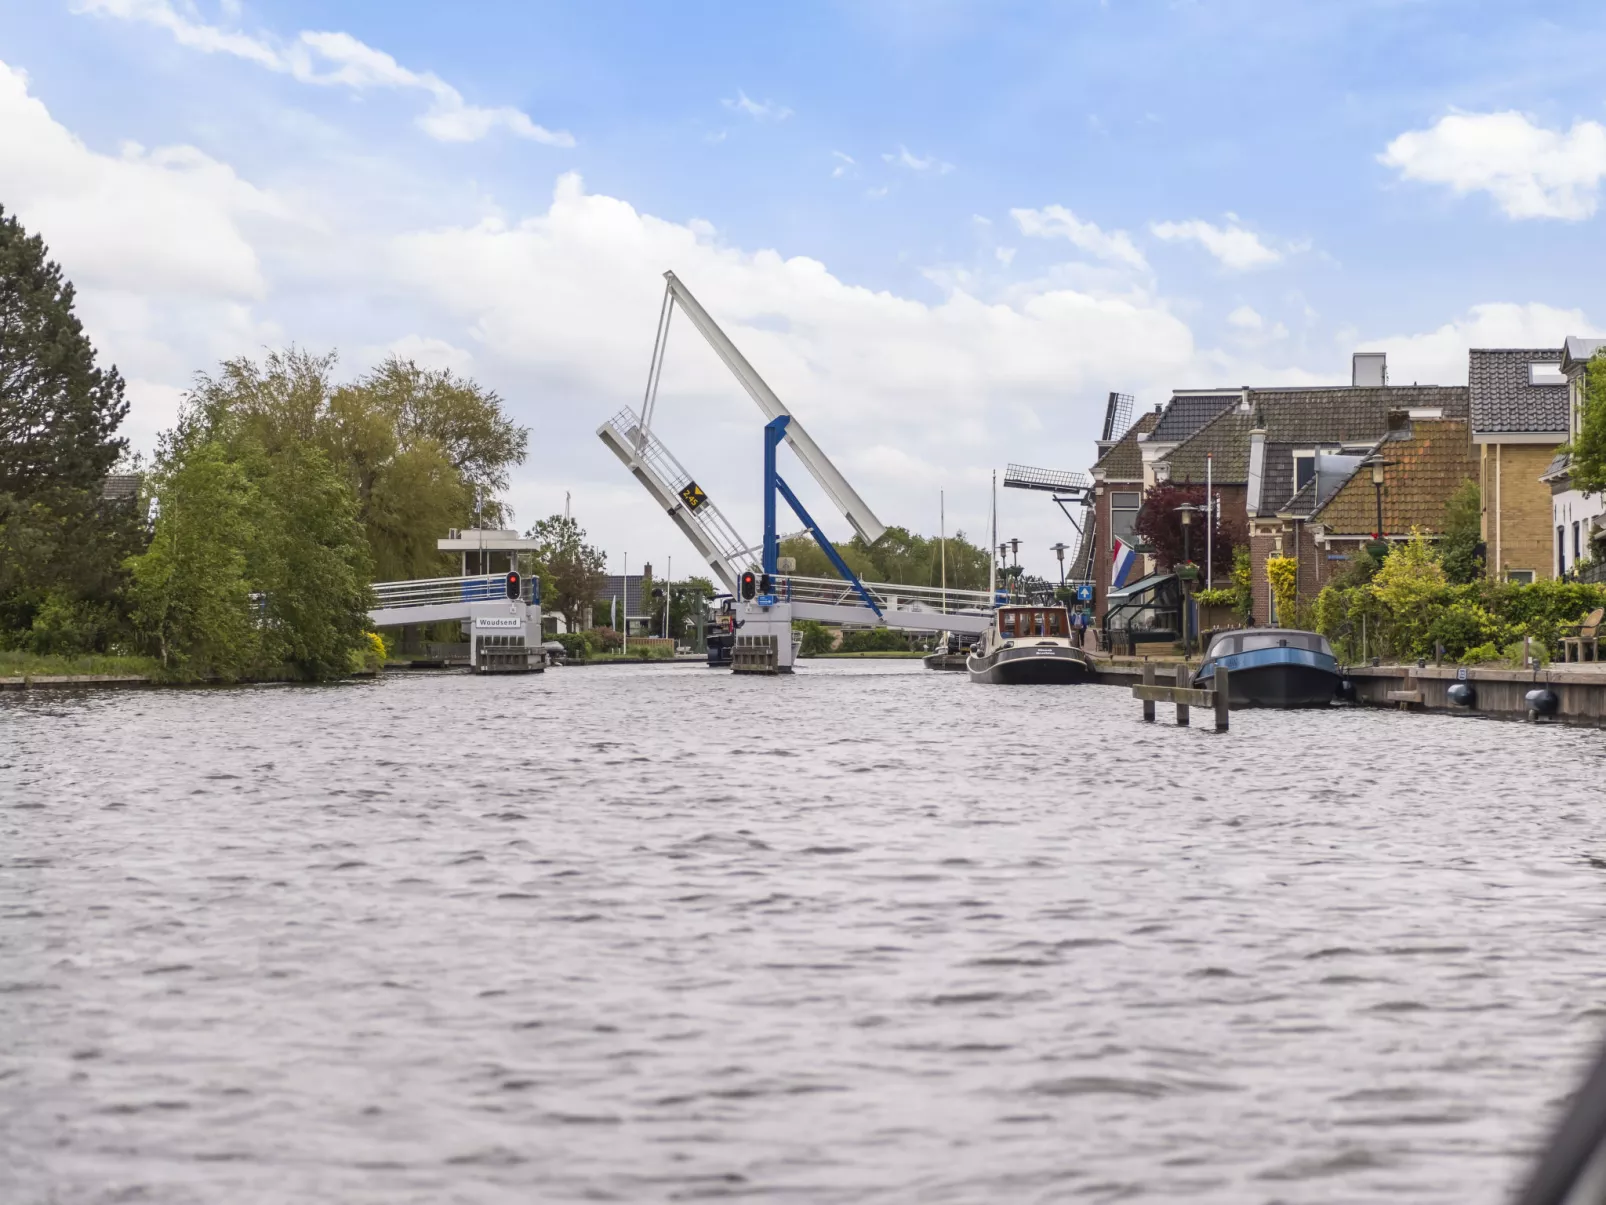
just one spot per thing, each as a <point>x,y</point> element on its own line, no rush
<point>1378,464</point>
<point>1014,548</point>
<point>1186,512</point>
<point>1059,552</point>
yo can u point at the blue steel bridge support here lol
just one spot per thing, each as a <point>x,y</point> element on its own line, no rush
<point>774,432</point>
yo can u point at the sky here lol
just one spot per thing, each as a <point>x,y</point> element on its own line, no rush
<point>943,230</point>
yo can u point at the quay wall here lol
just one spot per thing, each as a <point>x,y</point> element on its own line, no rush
<point>1499,693</point>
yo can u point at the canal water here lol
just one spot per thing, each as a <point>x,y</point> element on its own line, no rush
<point>868,934</point>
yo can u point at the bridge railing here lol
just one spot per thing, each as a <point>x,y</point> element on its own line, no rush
<point>437,591</point>
<point>834,592</point>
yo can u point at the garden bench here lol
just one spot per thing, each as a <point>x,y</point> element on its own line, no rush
<point>1585,635</point>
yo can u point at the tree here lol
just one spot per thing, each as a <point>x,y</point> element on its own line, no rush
<point>1587,469</point>
<point>258,562</point>
<point>423,450</point>
<point>59,416</point>
<point>191,597</point>
<point>1461,545</point>
<point>572,572</point>
<point>898,557</point>
<point>1159,524</point>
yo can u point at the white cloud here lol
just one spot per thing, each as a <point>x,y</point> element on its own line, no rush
<point>1005,255</point>
<point>1246,319</point>
<point>1237,249</point>
<point>1439,357</point>
<point>339,60</point>
<point>1055,221</point>
<point>844,166</point>
<point>904,157</point>
<point>165,221</point>
<point>766,110</point>
<point>869,369</point>
<point>1530,171</point>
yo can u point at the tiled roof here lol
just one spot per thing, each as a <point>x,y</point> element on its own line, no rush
<point>1186,413</point>
<point>1423,470</point>
<point>1503,399</point>
<point>1124,462</point>
<point>1559,463</point>
<point>1346,415</point>
<point>1225,439</point>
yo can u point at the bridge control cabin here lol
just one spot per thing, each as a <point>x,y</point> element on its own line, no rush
<point>487,550</point>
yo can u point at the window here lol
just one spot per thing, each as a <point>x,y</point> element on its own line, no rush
<point>1577,548</point>
<point>1124,514</point>
<point>1545,373</point>
<point>1304,469</point>
<point>1561,550</point>
<point>1523,577</point>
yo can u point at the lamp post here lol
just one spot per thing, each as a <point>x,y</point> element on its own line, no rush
<point>1186,512</point>
<point>1014,550</point>
<point>1377,491</point>
<point>1059,553</point>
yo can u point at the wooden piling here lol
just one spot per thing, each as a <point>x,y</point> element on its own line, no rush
<point>1148,680</point>
<point>1184,679</point>
<point>1222,697</point>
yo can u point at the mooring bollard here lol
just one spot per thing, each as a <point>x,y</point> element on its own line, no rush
<point>1148,680</point>
<point>1222,698</point>
<point>1184,679</point>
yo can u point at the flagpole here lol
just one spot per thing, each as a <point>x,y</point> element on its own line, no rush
<point>624,588</point>
<point>992,565</point>
<point>1210,514</point>
<point>942,536</point>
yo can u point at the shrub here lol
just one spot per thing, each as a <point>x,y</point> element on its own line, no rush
<point>874,640</point>
<point>576,645</point>
<point>1282,572</point>
<point>817,638</point>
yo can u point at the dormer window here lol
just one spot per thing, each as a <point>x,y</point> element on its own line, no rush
<point>1304,469</point>
<point>1545,373</point>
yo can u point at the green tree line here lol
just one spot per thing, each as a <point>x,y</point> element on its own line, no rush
<point>899,557</point>
<point>267,510</point>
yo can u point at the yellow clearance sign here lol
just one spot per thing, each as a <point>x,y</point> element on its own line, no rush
<point>693,496</point>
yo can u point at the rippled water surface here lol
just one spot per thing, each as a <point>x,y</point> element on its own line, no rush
<point>870,933</point>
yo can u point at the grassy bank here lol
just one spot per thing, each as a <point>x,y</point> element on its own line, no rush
<point>26,665</point>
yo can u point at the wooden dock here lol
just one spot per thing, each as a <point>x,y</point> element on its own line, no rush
<point>1183,694</point>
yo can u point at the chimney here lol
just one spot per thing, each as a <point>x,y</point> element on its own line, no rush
<point>1257,465</point>
<point>1369,370</point>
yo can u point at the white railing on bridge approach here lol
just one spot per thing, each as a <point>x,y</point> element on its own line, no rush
<point>428,599</point>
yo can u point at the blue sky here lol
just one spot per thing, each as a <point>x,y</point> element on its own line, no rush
<point>942,229</point>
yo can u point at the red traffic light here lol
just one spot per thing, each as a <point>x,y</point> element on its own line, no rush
<point>749,585</point>
<point>513,585</point>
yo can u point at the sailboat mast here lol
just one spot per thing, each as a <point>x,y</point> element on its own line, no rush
<point>992,562</point>
<point>942,537</point>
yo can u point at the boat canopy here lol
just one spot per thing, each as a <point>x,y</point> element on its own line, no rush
<point>1249,640</point>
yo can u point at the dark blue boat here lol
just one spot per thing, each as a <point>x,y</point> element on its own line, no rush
<point>1273,667</point>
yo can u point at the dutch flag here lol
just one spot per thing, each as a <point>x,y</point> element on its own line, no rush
<point>1121,562</point>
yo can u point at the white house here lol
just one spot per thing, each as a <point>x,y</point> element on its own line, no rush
<point>1579,520</point>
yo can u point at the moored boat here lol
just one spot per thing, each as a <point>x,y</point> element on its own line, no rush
<point>948,655</point>
<point>1272,667</point>
<point>1029,645</point>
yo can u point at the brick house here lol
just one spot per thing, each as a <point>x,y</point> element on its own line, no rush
<point>1425,462</point>
<point>1117,494</point>
<point>1579,520</point>
<point>1519,419</point>
<point>1306,444</point>
<point>1219,450</point>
